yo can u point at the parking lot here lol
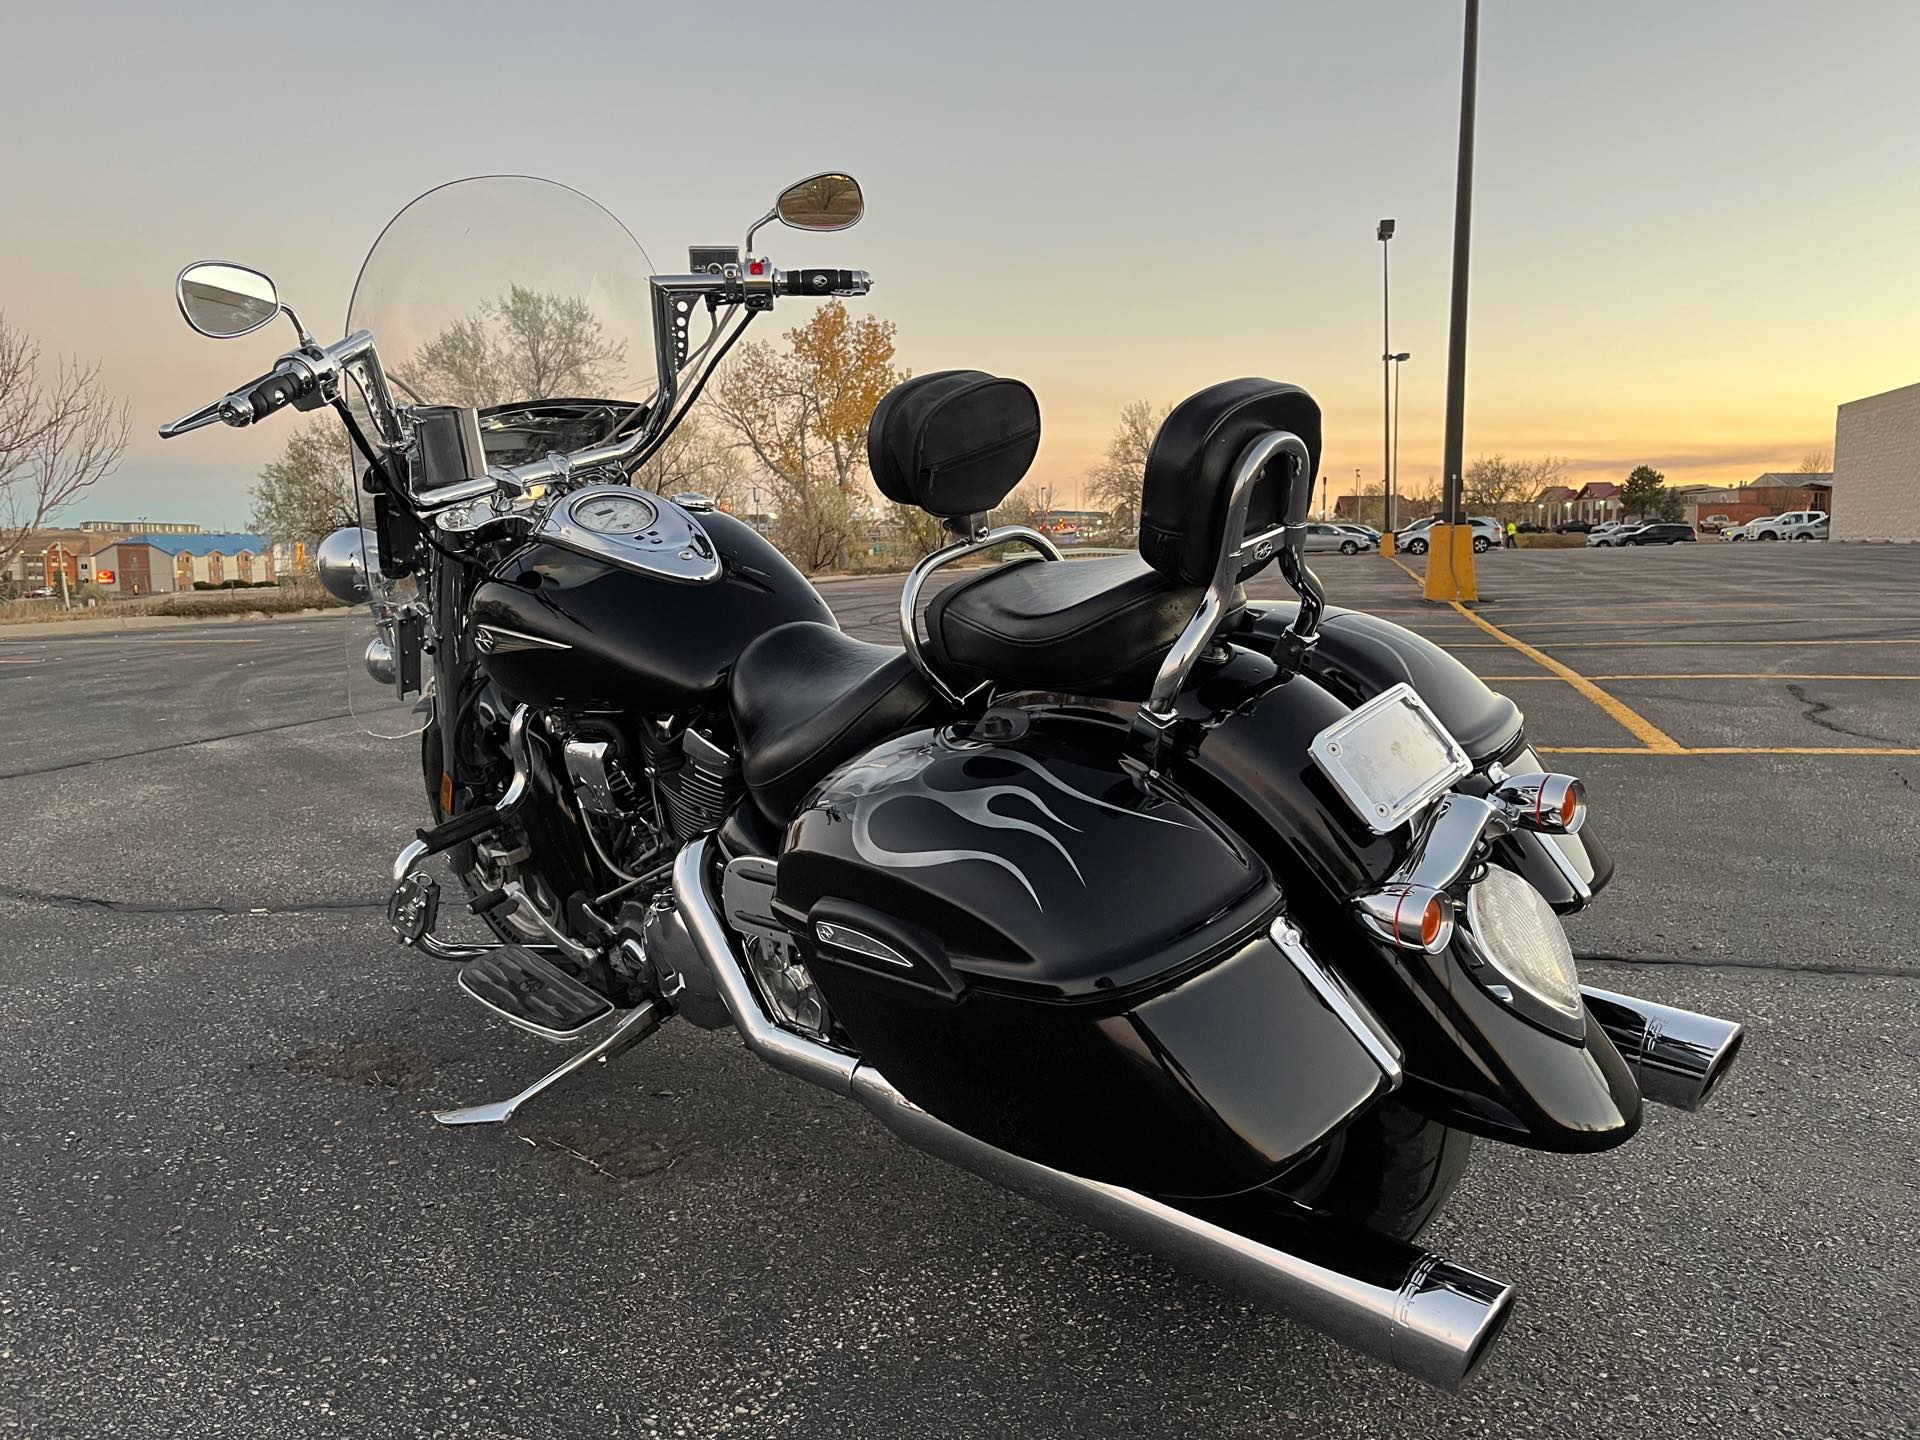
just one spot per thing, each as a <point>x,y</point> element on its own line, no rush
<point>227,1211</point>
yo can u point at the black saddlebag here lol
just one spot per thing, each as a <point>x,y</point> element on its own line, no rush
<point>1041,950</point>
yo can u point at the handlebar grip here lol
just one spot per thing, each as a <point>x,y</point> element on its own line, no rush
<point>450,833</point>
<point>828,282</point>
<point>257,399</point>
<point>272,391</point>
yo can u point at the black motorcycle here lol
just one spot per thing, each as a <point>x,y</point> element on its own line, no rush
<point>1220,925</point>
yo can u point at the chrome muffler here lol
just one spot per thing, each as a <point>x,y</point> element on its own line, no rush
<point>1677,1056</point>
<point>1418,1312</point>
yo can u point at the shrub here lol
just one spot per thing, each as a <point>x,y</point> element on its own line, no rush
<point>203,585</point>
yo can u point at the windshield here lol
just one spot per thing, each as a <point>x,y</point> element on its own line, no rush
<point>506,290</point>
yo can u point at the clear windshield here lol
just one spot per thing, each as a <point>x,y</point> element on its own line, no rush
<point>505,290</point>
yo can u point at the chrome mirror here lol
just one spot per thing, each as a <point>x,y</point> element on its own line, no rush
<point>828,201</point>
<point>225,301</point>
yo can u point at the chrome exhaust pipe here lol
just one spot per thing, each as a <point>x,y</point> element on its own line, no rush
<point>1418,1312</point>
<point>1678,1056</point>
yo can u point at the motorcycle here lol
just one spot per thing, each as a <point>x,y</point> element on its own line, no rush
<point>1223,926</point>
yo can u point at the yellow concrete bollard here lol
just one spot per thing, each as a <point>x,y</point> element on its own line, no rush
<point>1450,564</point>
<point>1386,542</point>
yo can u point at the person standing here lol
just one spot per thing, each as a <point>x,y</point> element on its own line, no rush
<point>1513,536</point>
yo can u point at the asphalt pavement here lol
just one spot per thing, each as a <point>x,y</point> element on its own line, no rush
<point>226,1211</point>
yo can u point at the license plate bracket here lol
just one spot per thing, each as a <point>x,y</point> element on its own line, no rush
<point>1390,758</point>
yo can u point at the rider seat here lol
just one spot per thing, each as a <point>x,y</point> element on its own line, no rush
<point>1102,627</point>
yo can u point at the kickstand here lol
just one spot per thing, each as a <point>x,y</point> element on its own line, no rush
<point>629,1030</point>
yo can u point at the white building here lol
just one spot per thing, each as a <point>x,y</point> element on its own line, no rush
<point>1876,467</point>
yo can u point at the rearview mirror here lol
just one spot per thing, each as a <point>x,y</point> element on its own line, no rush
<point>828,201</point>
<point>224,301</point>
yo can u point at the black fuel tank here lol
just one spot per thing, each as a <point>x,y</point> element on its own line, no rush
<point>572,629</point>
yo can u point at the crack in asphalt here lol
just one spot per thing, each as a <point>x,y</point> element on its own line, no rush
<point>58,900</point>
<point>1817,711</point>
<point>175,745</point>
<point>1720,962</point>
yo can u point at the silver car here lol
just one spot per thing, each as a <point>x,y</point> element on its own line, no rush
<point>1334,537</point>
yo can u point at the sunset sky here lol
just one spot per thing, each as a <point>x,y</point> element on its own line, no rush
<point>1696,227</point>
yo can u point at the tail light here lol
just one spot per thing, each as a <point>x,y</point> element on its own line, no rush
<point>1414,917</point>
<point>1550,803</point>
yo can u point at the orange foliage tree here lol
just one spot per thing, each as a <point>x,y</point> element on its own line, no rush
<point>802,415</point>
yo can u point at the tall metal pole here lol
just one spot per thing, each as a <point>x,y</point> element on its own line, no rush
<point>1397,359</point>
<point>1451,462</point>
<point>1387,495</point>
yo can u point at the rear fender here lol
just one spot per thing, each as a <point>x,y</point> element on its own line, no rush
<point>1471,1062</point>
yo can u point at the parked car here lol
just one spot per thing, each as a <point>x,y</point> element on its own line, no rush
<point>1714,524</point>
<point>1573,527</point>
<point>1750,528</point>
<point>1807,530</point>
<point>1779,527</point>
<point>1372,535</point>
<point>1610,533</point>
<point>1334,537</point>
<point>1487,533</point>
<point>1665,532</point>
<point>1527,527</point>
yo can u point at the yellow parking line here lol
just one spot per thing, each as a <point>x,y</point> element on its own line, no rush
<point>1681,644</point>
<point>1508,679</point>
<point>1634,723</point>
<point>1727,750</point>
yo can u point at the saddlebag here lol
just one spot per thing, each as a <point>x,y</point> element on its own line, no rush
<point>1040,948</point>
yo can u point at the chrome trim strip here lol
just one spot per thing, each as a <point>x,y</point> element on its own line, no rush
<point>1373,1036</point>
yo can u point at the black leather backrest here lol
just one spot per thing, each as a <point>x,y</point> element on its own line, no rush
<point>954,442</point>
<point>1189,479</point>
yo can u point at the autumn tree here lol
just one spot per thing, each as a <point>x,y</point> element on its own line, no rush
<point>527,345</point>
<point>1116,483</point>
<point>60,433</point>
<point>308,492</point>
<point>802,416</point>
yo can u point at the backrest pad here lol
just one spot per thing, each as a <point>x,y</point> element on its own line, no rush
<point>1189,475</point>
<point>953,442</point>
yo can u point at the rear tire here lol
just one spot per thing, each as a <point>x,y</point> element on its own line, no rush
<point>1481,544</point>
<point>1416,547</point>
<point>1347,547</point>
<point>1391,1171</point>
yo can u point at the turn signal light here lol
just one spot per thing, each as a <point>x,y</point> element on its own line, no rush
<point>1550,803</point>
<point>1414,917</point>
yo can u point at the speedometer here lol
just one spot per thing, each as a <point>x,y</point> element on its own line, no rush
<point>613,514</point>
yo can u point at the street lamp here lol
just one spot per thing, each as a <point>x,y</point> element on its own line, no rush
<point>1383,234</point>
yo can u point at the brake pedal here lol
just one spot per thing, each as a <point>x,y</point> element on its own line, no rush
<point>533,993</point>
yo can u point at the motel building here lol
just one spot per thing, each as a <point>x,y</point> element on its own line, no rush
<point>154,563</point>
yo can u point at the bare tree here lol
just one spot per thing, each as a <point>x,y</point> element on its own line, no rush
<point>697,458</point>
<point>1816,462</point>
<point>59,434</point>
<point>1115,484</point>
<point>309,491</point>
<point>1495,485</point>
<point>528,345</point>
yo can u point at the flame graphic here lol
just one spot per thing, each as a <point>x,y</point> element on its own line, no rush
<point>973,805</point>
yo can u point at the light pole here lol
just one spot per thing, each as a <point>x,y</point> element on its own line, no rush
<point>1385,233</point>
<point>1393,481</point>
<point>1455,579</point>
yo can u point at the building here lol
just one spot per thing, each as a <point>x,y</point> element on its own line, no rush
<point>1876,462</point>
<point>1596,501</point>
<point>1554,505</point>
<point>45,556</point>
<point>151,563</point>
<point>139,527</point>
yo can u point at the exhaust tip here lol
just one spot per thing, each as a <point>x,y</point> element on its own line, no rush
<point>1449,1319</point>
<point>1679,1057</point>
